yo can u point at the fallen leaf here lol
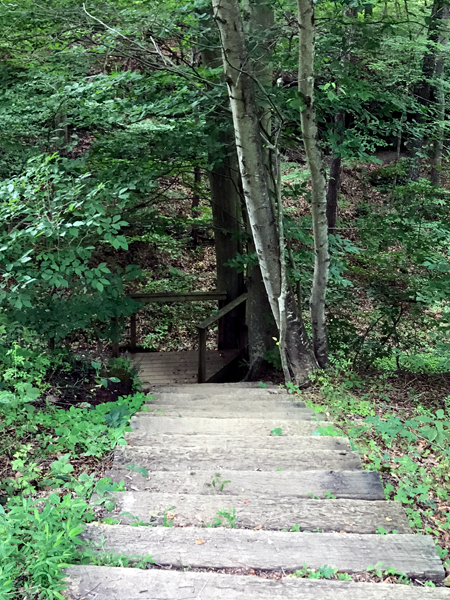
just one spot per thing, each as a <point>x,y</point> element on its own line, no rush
<point>171,516</point>
<point>245,501</point>
<point>257,527</point>
<point>388,519</point>
<point>200,542</point>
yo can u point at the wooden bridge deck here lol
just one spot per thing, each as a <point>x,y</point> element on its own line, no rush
<point>162,368</point>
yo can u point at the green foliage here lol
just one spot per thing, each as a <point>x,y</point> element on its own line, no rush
<point>413,450</point>
<point>91,431</point>
<point>52,219</point>
<point>324,572</point>
<point>228,516</point>
<point>40,536</point>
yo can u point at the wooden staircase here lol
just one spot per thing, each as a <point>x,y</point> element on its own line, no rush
<point>211,458</point>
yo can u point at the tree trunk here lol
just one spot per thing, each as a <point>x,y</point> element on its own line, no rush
<point>318,185</point>
<point>261,326</point>
<point>334,182</point>
<point>255,184</point>
<point>439,95</point>
<point>225,204</point>
<point>258,21</point>
<point>195,204</point>
<point>426,91</point>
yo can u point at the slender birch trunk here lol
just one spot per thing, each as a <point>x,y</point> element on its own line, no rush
<point>318,181</point>
<point>255,182</point>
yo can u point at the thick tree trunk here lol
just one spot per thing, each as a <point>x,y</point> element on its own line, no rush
<point>258,20</point>
<point>255,183</point>
<point>225,202</point>
<point>261,326</point>
<point>224,186</point>
<point>318,185</point>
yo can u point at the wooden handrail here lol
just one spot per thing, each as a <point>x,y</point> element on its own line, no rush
<point>178,296</point>
<point>203,326</point>
<point>151,297</point>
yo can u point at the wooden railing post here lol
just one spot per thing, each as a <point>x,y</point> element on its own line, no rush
<point>201,355</point>
<point>133,339</point>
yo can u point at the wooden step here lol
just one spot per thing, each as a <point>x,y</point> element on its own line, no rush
<point>115,583</point>
<point>351,516</point>
<point>249,395</point>
<point>205,426</point>
<point>226,412</point>
<point>297,443</point>
<point>177,458</point>
<point>217,388</point>
<point>364,485</point>
<point>230,401</point>
<point>220,548</point>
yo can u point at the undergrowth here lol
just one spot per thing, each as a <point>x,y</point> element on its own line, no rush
<point>51,464</point>
<point>407,443</point>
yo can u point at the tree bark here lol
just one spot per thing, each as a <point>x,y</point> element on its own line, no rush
<point>258,20</point>
<point>225,202</point>
<point>224,186</point>
<point>318,185</point>
<point>334,183</point>
<point>427,91</point>
<point>195,204</point>
<point>439,95</point>
<point>255,182</point>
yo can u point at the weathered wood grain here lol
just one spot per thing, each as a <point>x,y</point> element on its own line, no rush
<point>227,548</point>
<point>364,485</point>
<point>239,411</point>
<point>236,442</point>
<point>176,458</point>
<point>351,516</point>
<point>217,388</point>
<point>202,425</point>
<point>274,397</point>
<point>113,583</point>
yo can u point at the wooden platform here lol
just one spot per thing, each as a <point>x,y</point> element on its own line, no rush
<point>160,368</point>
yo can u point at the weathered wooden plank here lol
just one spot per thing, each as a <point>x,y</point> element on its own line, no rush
<point>205,426</point>
<point>232,409</point>
<point>175,368</point>
<point>351,516</point>
<point>195,401</point>
<point>218,388</point>
<point>149,298</point>
<point>274,395</point>
<point>238,411</point>
<point>365,485</point>
<point>230,443</point>
<point>155,458</point>
<point>114,583</point>
<point>222,312</point>
<point>230,548</point>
